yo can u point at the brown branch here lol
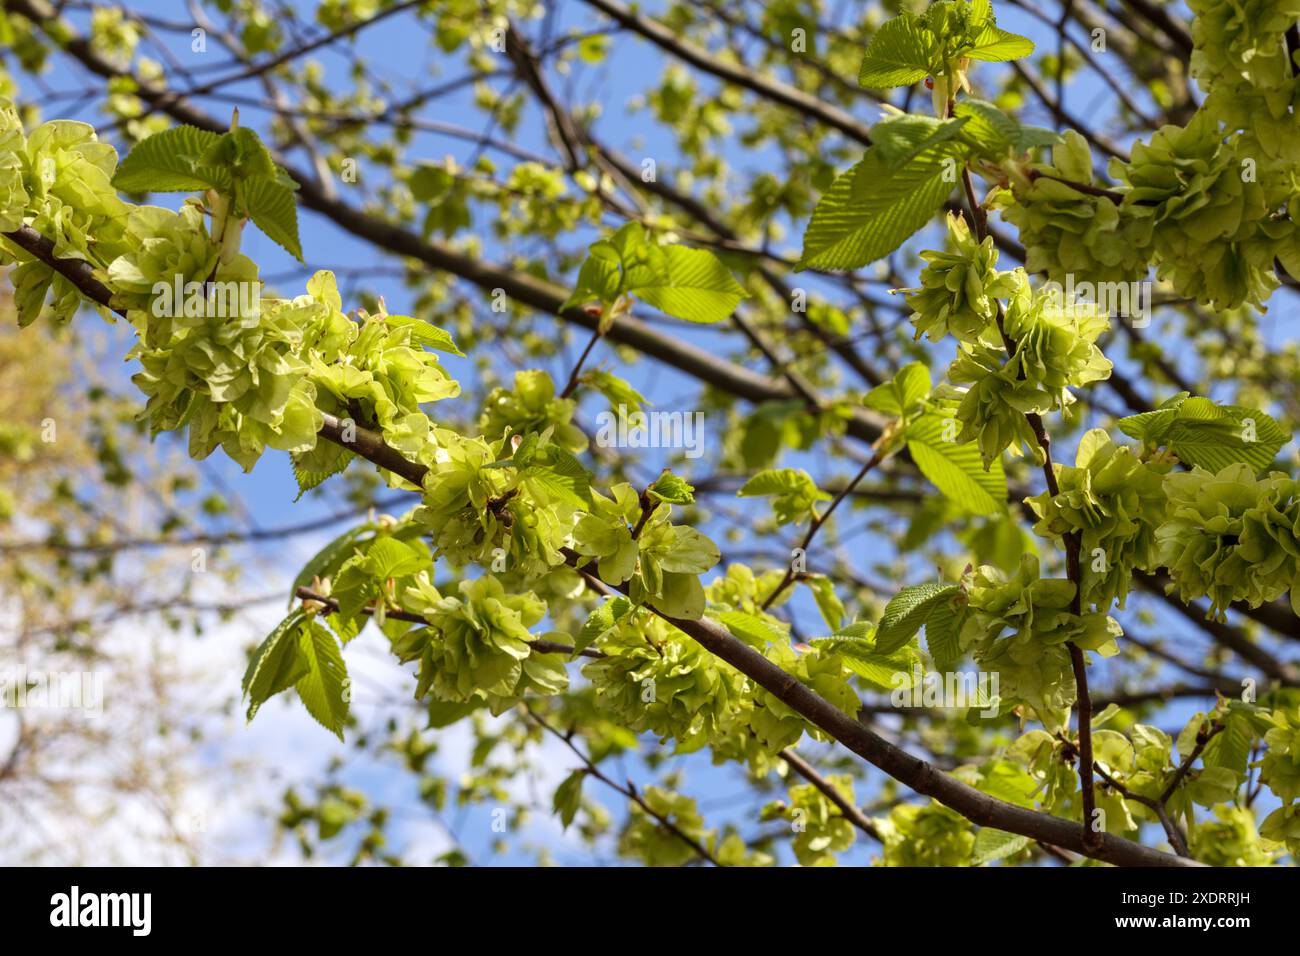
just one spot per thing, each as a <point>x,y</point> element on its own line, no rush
<point>820,520</point>
<point>920,776</point>
<point>1073,545</point>
<point>850,812</point>
<point>1203,737</point>
<point>629,791</point>
<point>917,774</point>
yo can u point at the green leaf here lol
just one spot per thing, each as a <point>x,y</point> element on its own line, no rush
<point>993,133</point>
<point>31,281</point>
<point>323,688</point>
<point>390,558</point>
<point>618,391</point>
<point>956,469</point>
<point>310,469</point>
<point>696,287</point>
<point>942,628</point>
<point>560,485</point>
<point>171,161</point>
<point>601,621</point>
<point>793,488</point>
<point>752,629</point>
<point>672,488</point>
<point>908,610</point>
<point>327,559</point>
<point>1201,432</point>
<point>429,182</point>
<point>902,393</point>
<point>568,797</point>
<point>995,45</point>
<point>900,139</point>
<point>882,671</point>
<point>828,603</point>
<point>991,844</point>
<point>900,53</point>
<point>276,665</point>
<point>272,208</point>
<point>871,210</point>
<point>426,334</point>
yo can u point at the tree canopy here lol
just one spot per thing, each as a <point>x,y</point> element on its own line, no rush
<point>894,411</point>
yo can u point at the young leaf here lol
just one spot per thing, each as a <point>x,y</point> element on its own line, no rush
<point>171,161</point>
<point>672,488</point>
<point>902,393</point>
<point>942,627</point>
<point>995,45</point>
<point>695,286</point>
<point>272,208</point>
<point>828,603</point>
<point>323,688</point>
<point>312,468</point>
<point>882,671</point>
<point>908,610</point>
<point>956,470</point>
<point>1213,436</point>
<point>991,844</point>
<point>794,490</point>
<point>752,629</point>
<point>900,139</point>
<point>568,797</point>
<point>901,53</point>
<point>276,665</point>
<point>390,558</point>
<point>871,210</point>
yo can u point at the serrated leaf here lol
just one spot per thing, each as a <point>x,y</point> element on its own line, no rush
<point>942,627</point>
<point>995,45</point>
<point>907,611</point>
<point>957,469</point>
<point>900,394</point>
<point>672,488</point>
<point>696,287</point>
<point>307,470</point>
<point>871,210</point>
<point>171,161</point>
<point>323,688</point>
<point>991,844</point>
<point>752,629</point>
<point>276,665</point>
<point>900,139</point>
<point>1201,432</point>
<point>882,671</point>
<point>427,334</point>
<point>795,493</point>
<point>568,797</point>
<point>389,558</point>
<point>900,53</point>
<point>560,485</point>
<point>992,132</point>
<point>272,207</point>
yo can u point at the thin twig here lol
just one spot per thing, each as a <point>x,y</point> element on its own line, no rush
<point>629,791</point>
